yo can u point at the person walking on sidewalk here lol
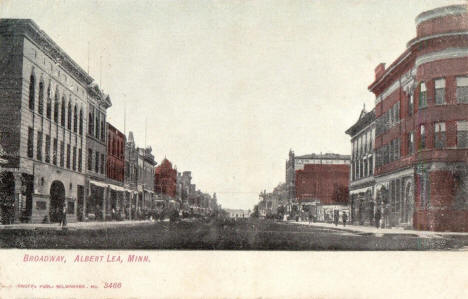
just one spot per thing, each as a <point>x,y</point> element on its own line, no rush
<point>345,218</point>
<point>336,217</point>
<point>64,216</point>
<point>377,218</point>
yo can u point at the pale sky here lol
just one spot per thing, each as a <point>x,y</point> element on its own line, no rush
<point>228,87</point>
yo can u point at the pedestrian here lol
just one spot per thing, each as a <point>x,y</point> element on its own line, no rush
<point>377,218</point>
<point>345,218</point>
<point>336,217</point>
<point>64,216</point>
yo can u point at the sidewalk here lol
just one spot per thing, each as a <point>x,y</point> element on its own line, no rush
<point>381,231</point>
<point>75,225</point>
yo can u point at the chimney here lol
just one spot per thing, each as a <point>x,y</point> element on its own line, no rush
<point>379,70</point>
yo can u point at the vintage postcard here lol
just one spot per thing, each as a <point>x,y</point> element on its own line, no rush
<point>233,149</point>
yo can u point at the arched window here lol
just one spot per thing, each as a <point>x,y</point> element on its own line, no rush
<point>49,104</point>
<point>56,105</point>
<point>81,122</point>
<point>40,107</point>
<point>75,119</point>
<point>32,83</point>
<point>62,112</point>
<point>69,115</point>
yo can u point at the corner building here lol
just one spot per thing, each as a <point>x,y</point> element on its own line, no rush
<point>43,108</point>
<point>421,141</point>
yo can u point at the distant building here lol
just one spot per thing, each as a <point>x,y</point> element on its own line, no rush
<point>237,213</point>
<point>145,179</point>
<point>165,179</point>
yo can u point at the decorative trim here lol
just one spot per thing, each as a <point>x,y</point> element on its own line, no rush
<point>444,54</point>
<point>441,12</point>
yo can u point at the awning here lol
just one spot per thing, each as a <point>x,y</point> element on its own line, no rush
<point>117,188</point>
<point>99,184</point>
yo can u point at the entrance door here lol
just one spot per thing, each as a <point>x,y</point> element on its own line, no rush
<point>57,201</point>
<point>409,205</point>
<point>80,195</point>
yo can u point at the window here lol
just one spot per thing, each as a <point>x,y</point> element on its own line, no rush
<point>30,142</point>
<point>462,89</point>
<point>439,135</point>
<point>40,107</point>
<point>62,120</point>
<point>103,127</point>
<point>462,134</point>
<point>74,158</point>
<point>97,132</point>
<point>410,143</point>
<point>31,91</point>
<point>439,91</point>
<point>91,120</point>
<point>47,149</point>
<point>54,154</point>
<point>39,146</point>
<point>81,122</point>
<point>62,154</point>
<point>410,105</point>
<point>96,165</point>
<point>424,185</point>
<point>69,116</point>
<point>371,165</point>
<point>75,119</point>
<point>90,159</point>
<point>56,106</point>
<point>102,163</point>
<point>422,95</point>
<point>68,156</point>
<point>49,104</point>
<point>422,141</point>
<point>80,158</point>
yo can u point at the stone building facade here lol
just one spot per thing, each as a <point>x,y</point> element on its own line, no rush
<point>43,107</point>
<point>421,138</point>
<point>96,206</point>
<point>362,181</point>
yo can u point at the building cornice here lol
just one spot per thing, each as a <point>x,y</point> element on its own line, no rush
<point>29,29</point>
<point>441,12</point>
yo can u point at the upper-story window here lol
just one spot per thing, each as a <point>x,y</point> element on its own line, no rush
<point>81,122</point>
<point>422,95</point>
<point>410,143</point>
<point>40,107</point>
<point>422,140</point>
<point>439,91</point>
<point>69,115</point>
<point>91,121</point>
<point>75,118</point>
<point>462,89</point>
<point>56,106</point>
<point>97,132</point>
<point>462,134</point>
<point>32,82</point>
<point>103,127</point>
<point>49,104</point>
<point>439,135</point>
<point>62,112</point>
<point>410,105</point>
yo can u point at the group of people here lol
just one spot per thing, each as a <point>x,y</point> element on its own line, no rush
<point>336,218</point>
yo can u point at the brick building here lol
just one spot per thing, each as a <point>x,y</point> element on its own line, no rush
<point>43,108</point>
<point>362,181</point>
<point>421,138</point>
<point>165,179</point>
<point>115,171</point>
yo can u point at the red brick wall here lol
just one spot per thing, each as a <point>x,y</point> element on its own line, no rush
<point>322,181</point>
<point>441,25</point>
<point>115,154</point>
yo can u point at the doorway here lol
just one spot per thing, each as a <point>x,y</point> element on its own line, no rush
<point>57,201</point>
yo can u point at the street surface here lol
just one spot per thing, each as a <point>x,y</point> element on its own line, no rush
<point>248,234</point>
